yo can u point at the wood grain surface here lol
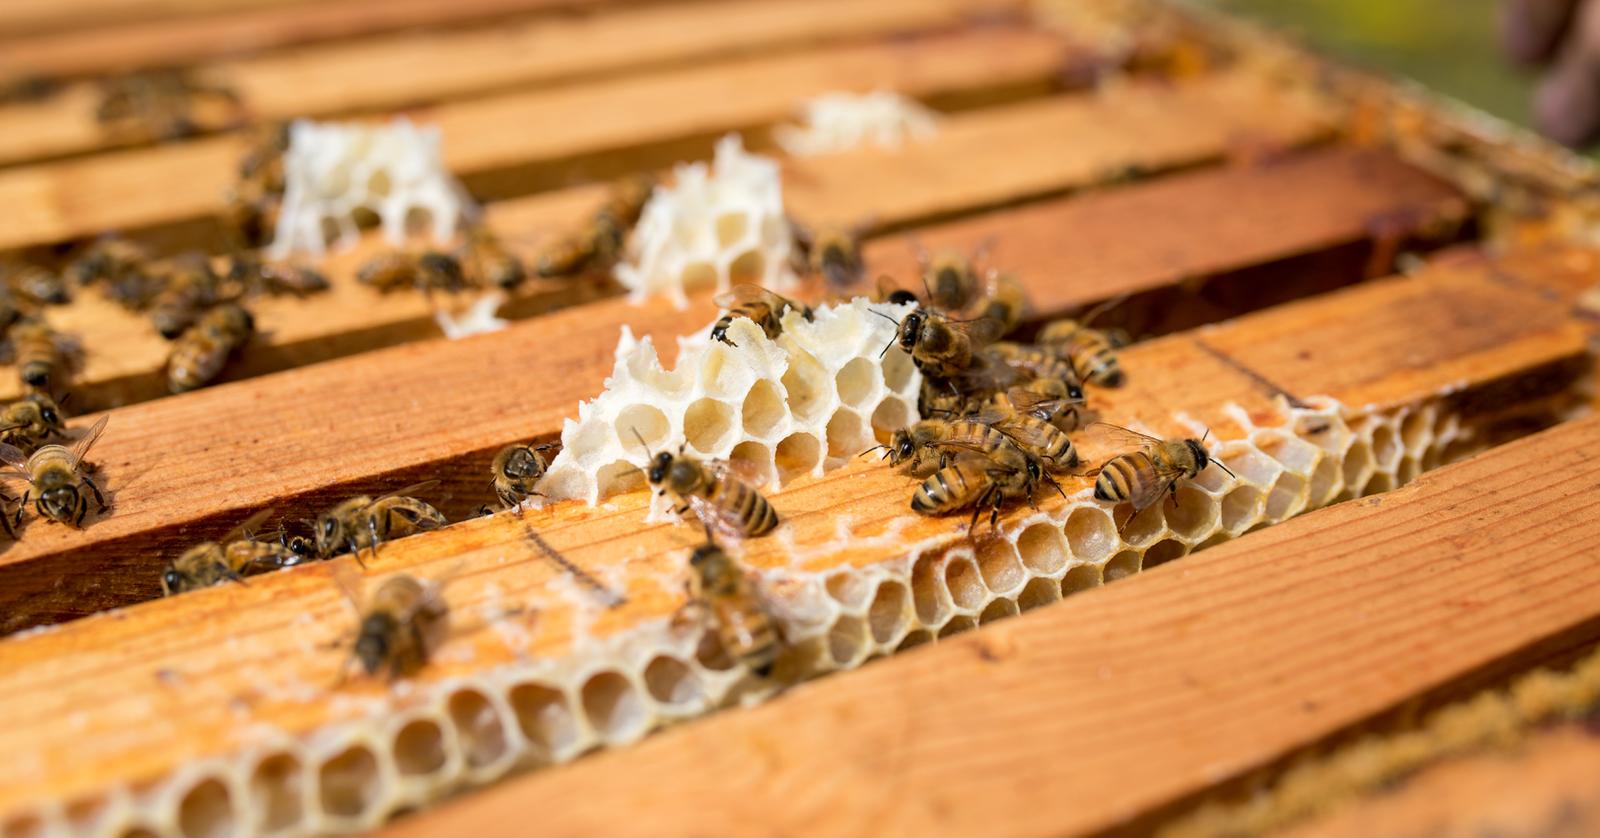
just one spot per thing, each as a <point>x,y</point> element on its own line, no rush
<point>1181,677</point>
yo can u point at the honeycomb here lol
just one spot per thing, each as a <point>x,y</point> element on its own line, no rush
<point>332,170</point>
<point>836,122</point>
<point>775,409</point>
<point>719,226</point>
<point>479,316</point>
<point>409,749</point>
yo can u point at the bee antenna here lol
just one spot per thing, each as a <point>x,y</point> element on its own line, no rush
<point>884,316</point>
<point>886,348</point>
<point>872,449</point>
<point>1225,468</point>
<point>636,435</point>
<point>1206,435</point>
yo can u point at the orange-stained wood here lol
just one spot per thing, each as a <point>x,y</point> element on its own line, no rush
<point>440,410</point>
<point>1184,676</point>
<point>237,682</point>
<point>1317,203</point>
<point>188,180</point>
<point>414,68</point>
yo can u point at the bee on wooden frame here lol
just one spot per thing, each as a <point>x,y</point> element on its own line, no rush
<point>1142,476</point>
<point>516,468</point>
<point>199,354</point>
<point>31,421</point>
<point>36,285</point>
<point>426,272</point>
<point>830,251</point>
<point>757,304</point>
<point>951,277</point>
<point>40,353</point>
<point>366,522</point>
<point>1091,352</point>
<point>721,501</point>
<point>163,105</point>
<point>58,483</point>
<point>190,287</point>
<point>600,244</point>
<point>230,558</point>
<point>720,590</point>
<point>400,626</point>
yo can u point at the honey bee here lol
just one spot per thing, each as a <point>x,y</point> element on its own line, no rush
<point>230,558</point>
<point>38,286</point>
<point>979,483</point>
<point>491,262</point>
<point>951,278</point>
<point>915,443</point>
<point>719,499</point>
<point>1003,301</point>
<point>365,522</point>
<point>251,216</point>
<point>1051,399</point>
<point>1036,437</point>
<point>39,355</point>
<point>191,286</point>
<point>1033,361</point>
<point>724,592</point>
<point>1141,477</point>
<point>11,309</point>
<point>1092,352</point>
<point>199,354</point>
<point>516,469</point>
<point>122,269</point>
<point>264,160</point>
<point>832,252</point>
<point>940,346</point>
<point>429,271</point>
<point>600,244</point>
<point>761,306</point>
<point>31,421</point>
<point>159,105</point>
<point>400,626</point>
<point>251,275</point>
<point>55,478</point>
<point>28,89</point>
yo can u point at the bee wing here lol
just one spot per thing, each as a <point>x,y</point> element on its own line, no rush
<point>981,330</point>
<point>81,448</point>
<point>13,456</point>
<point>746,292</point>
<point>1104,306</point>
<point>1151,491</point>
<point>245,529</point>
<point>1127,435</point>
<point>1038,404</point>
<point>410,490</point>
<point>723,521</point>
<point>741,470</point>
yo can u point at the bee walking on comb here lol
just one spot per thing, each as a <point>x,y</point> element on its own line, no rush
<point>721,501</point>
<point>1142,476</point>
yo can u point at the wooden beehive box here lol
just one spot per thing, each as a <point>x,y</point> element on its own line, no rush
<point>1349,283</point>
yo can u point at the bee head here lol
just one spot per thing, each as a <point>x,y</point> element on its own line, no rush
<point>1074,390</point>
<point>50,416</point>
<point>60,502</point>
<point>901,296</point>
<point>172,582</point>
<point>911,329</point>
<point>1034,473</point>
<point>372,646</point>
<point>523,463</point>
<point>36,375</point>
<point>327,533</point>
<point>659,466</point>
<point>1201,457</point>
<point>902,447</point>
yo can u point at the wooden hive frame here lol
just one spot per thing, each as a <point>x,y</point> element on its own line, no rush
<point>1255,207</point>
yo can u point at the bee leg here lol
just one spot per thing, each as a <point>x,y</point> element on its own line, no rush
<point>372,529</point>
<point>98,498</point>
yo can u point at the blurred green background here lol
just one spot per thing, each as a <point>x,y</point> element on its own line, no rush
<point>1447,45</point>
